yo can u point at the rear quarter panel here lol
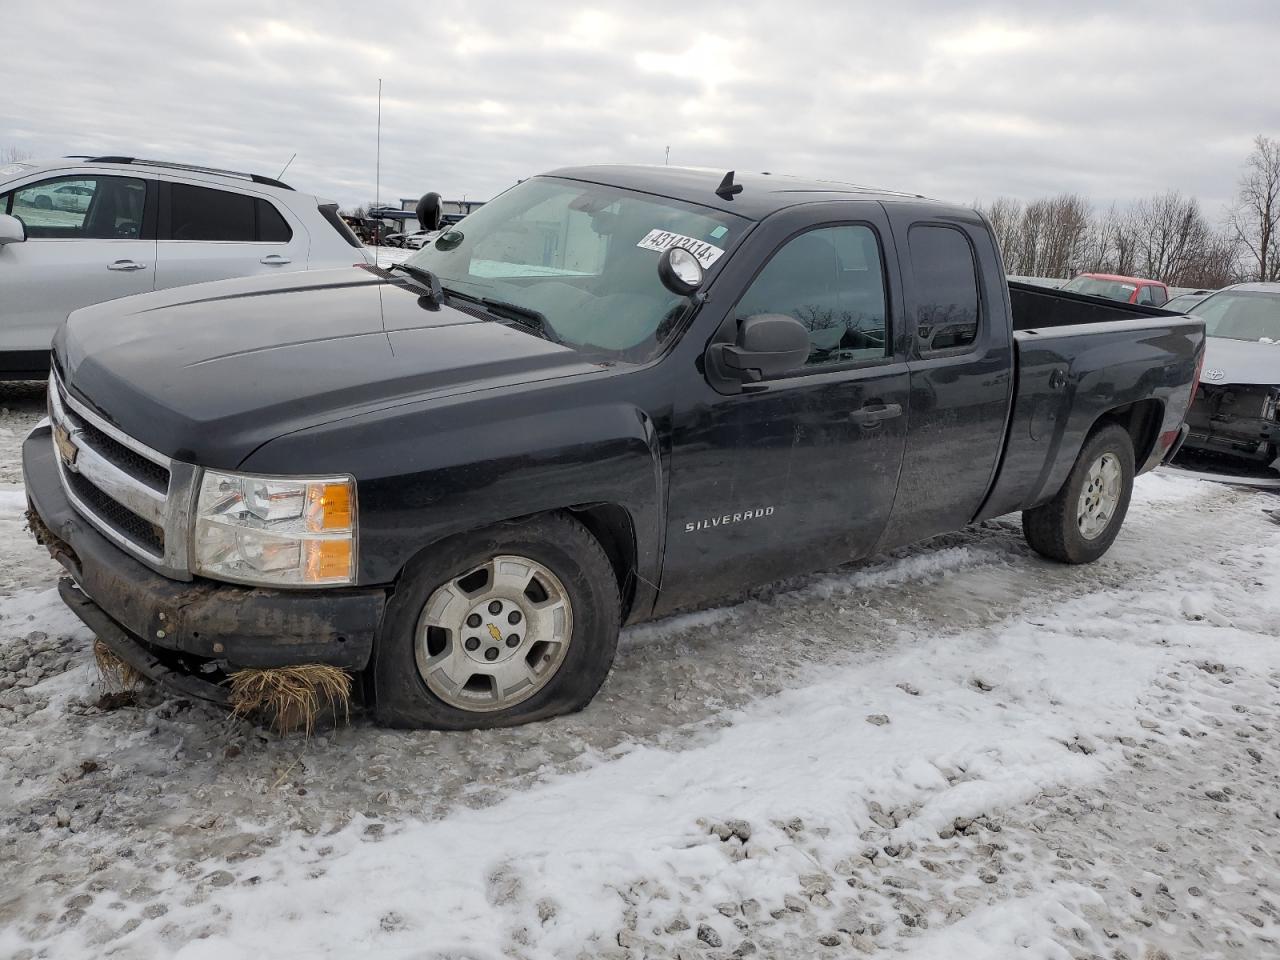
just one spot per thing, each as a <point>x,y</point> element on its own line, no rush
<point>1101,368</point>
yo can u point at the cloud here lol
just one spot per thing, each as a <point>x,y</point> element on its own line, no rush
<point>961,101</point>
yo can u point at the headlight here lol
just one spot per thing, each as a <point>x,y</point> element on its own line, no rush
<point>276,531</point>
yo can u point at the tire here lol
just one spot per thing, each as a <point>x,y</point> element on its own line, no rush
<point>42,202</point>
<point>1061,528</point>
<point>417,666</point>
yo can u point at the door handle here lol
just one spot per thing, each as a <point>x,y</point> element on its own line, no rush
<point>126,265</point>
<point>275,260</point>
<point>875,412</point>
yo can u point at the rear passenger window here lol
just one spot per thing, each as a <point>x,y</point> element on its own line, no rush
<point>271,226</point>
<point>198,213</point>
<point>831,280</point>
<point>946,280</point>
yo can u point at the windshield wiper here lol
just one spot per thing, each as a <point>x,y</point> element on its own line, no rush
<point>525,316</point>
<point>422,275</point>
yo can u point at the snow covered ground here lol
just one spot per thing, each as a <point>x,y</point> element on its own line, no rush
<point>957,751</point>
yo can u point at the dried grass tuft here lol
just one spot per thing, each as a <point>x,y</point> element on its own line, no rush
<point>291,696</point>
<point>36,526</point>
<point>114,671</point>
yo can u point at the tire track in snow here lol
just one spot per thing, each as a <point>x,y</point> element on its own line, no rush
<point>908,619</point>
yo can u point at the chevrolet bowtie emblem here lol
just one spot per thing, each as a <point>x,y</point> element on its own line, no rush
<point>67,448</point>
<point>495,633</point>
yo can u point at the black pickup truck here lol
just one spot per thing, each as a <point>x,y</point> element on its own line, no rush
<point>609,393</point>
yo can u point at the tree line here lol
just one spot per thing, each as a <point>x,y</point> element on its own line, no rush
<point>1165,237</point>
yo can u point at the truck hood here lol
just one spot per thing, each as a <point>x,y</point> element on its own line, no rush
<point>208,373</point>
<point>1240,361</point>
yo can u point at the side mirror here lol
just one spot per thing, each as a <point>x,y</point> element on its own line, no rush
<point>11,230</point>
<point>429,211</point>
<point>767,345</point>
<point>680,271</point>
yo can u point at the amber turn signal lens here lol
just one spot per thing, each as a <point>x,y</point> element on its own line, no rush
<point>329,507</point>
<point>327,560</point>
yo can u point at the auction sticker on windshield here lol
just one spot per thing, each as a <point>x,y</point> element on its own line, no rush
<point>660,240</point>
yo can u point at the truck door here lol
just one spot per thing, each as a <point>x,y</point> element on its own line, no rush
<point>798,472</point>
<point>961,372</point>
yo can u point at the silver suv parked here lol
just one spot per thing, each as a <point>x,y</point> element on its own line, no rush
<point>79,231</point>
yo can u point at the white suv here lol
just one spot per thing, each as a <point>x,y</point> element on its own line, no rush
<point>78,231</point>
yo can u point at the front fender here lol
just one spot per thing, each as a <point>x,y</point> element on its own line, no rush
<point>429,471</point>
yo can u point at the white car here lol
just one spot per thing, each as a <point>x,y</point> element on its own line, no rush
<point>416,241</point>
<point>75,232</point>
<point>71,196</point>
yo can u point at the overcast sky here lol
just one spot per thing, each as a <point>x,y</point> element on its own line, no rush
<point>962,101</point>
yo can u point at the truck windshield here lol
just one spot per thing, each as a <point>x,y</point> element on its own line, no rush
<point>583,255</point>
<point>1111,289</point>
<point>1241,316</point>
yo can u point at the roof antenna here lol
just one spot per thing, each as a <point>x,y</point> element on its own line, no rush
<point>728,189</point>
<point>286,166</point>
<point>377,177</point>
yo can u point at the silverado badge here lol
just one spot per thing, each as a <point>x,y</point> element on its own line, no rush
<point>67,448</point>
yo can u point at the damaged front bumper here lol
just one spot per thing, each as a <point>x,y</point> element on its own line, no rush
<point>169,630</point>
<point>1236,422</point>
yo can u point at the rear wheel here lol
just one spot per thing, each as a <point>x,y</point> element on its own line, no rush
<point>513,623</point>
<point>1081,522</point>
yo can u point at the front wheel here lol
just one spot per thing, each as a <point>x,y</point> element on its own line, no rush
<point>513,623</point>
<point>1081,522</point>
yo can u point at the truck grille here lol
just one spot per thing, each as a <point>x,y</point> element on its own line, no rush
<point>150,536</point>
<point>136,497</point>
<point>127,460</point>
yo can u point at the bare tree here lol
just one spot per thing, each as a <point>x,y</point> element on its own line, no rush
<point>1106,241</point>
<point>1254,221</point>
<point>1217,265</point>
<point>1111,243</point>
<point>1069,218</point>
<point>1005,216</point>
<point>1171,233</point>
<point>1052,235</point>
<point>13,155</point>
<point>1165,237</point>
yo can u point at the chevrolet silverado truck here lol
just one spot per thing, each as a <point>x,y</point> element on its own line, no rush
<point>608,394</point>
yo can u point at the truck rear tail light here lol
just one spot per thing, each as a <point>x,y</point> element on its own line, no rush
<point>1169,436</point>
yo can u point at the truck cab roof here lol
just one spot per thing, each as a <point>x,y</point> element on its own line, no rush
<point>761,194</point>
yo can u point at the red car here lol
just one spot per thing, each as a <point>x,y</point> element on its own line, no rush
<point>1153,293</point>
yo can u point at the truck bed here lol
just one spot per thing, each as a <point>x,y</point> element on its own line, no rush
<point>1075,358</point>
<point>1037,307</point>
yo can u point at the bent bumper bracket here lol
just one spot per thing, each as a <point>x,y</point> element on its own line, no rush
<point>132,652</point>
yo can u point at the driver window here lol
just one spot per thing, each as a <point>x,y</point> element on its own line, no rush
<point>85,208</point>
<point>831,280</point>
